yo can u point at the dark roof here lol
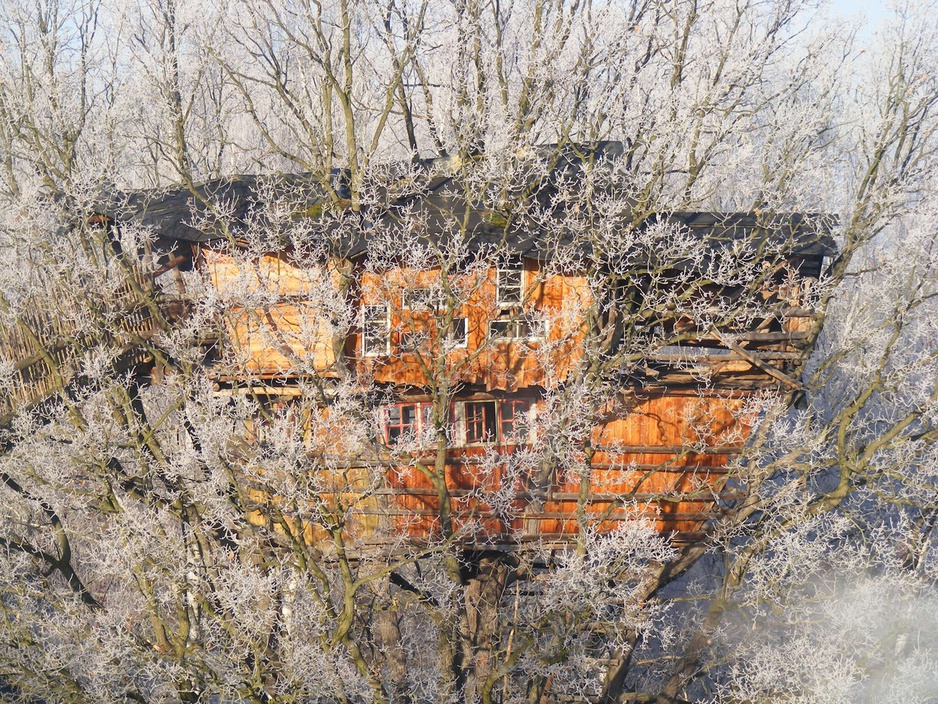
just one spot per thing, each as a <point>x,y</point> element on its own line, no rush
<point>428,197</point>
<point>805,234</point>
<point>182,215</point>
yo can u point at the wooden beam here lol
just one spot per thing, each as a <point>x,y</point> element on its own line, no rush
<point>771,371</point>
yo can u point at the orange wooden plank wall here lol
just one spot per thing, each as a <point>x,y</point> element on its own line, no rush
<point>289,329</point>
<point>503,364</point>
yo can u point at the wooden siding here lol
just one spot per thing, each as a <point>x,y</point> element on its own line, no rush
<point>289,331</point>
<point>554,300</point>
<point>672,450</point>
<point>664,460</point>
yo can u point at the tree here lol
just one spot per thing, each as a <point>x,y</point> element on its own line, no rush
<point>163,541</point>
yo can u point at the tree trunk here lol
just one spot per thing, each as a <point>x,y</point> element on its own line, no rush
<point>480,623</point>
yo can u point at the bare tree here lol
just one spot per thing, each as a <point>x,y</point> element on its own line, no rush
<point>203,447</point>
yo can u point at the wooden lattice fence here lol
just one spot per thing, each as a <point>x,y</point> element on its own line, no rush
<point>44,344</point>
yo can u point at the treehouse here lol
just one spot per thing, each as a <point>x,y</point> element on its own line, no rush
<point>528,378</point>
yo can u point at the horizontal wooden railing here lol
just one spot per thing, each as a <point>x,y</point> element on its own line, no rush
<point>381,497</point>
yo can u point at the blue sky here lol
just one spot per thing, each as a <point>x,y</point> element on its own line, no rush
<point>876,11</point>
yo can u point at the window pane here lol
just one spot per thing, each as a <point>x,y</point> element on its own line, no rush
<point>514,421</point>
<point>501,328</point>
<point>480,422</point>
<point>400,419</point>
<point>458,332</point>
<point>426,417</point>
<point>531,327</point>
<point>517,328</point>
<point>507,420</point>
<point>416,298</point>
<point>375,330</point>
<point>508,286</point>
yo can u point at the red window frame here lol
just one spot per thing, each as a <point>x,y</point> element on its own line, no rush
<point>496,421</point>
<point>405,418</point>
<point>400,419</point>
<point>512,418</point>
<point>481,419</point>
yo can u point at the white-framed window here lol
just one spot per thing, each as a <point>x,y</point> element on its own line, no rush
<point>420,299</point>
<point>459,333</point>
<point>417,335</point>
<point>495,421</point>
<point>517,327</point>
<point>376,330</point>
<point>509,284</point>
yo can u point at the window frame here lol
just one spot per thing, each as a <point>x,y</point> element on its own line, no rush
<point>518,327</point>
<point>407,336</point>
<point>422,420</point>
<point>519,407</point>
<point>420,299</point>
<point>508,269</point>
<point>484,419</point>
<point>366,321</point>
<point>460,342</point>
<point>400,426</point>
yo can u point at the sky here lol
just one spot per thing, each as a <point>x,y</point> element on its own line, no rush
<point>875,11</point>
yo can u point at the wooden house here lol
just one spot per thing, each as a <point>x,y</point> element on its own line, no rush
<point>476,330</point>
